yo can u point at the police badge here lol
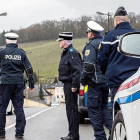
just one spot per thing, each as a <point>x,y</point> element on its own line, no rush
<point>87,52</point>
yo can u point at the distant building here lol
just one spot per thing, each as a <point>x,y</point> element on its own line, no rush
<point>52,92</point>
<point>47,96</point>
<point>51,88</point>
<point>59,92</point>
<point>35,95</point>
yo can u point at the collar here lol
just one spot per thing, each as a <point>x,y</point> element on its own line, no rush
<point>11,45</point>
<point>123,24</point>
<point>98,36</point>
<point>65,49</point>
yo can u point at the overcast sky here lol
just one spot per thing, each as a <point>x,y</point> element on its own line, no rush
<point>23,13</point>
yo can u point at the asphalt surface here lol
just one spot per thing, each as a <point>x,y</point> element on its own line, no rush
<point>46,124</point>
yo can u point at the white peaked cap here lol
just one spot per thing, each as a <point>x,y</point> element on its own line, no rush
<point>12,36</point>
<point>92,25</point>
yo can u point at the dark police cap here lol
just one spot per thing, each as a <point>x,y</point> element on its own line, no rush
<point>65,36</point>
<point>120,12</point>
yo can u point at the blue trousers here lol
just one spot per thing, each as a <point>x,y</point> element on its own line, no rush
<point>98,111</point>
<point>15,93</point>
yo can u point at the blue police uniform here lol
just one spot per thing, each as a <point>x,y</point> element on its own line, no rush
<point>69,73</point>
<point>13,63</point>
<point>117,67</point>
<point>98,111</point>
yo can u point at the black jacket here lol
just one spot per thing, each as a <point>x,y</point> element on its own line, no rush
<point>70,66</point>
<point>13,63</point>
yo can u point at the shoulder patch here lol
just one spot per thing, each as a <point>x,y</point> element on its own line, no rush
<point>99,46</point>
<point>71,49</point>
<point>87,52</point>
<point>22,50</point>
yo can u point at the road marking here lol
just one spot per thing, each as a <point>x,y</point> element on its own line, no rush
<point>28,118</point>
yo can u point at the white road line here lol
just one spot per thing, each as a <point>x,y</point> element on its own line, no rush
<point>12,125</point>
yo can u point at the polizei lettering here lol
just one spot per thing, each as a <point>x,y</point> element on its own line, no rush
<point>13,57</point>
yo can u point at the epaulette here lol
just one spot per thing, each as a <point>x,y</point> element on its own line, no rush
<point>106,32</point>
<point>1,48</point>
<point>88,42</point>
<point>22,50</point>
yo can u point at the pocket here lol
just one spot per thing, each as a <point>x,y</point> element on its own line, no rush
<point>93,101</point>
<point>64,68</point>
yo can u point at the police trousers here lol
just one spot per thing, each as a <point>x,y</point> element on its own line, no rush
<point>15,93</point>
<point>71,110</point>
<point>98,111</point>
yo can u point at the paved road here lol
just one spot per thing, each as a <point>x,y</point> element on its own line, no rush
<point>46,124</point>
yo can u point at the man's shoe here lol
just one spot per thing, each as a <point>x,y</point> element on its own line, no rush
<point>2,136</point>
<point>69,138</point>
<point>64,137</point>
<point>18,136</point>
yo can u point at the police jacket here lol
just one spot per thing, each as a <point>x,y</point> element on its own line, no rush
<point>117,67</point>
<point>91,68</point>
<point>70,66</point>
<point>13,63</point>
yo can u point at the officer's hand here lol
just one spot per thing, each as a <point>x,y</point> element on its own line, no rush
<point>73,89</point>
<point>31,89</point>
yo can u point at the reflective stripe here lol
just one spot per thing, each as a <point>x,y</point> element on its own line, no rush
<point>129,99</point>
<point>110,43</point>
<point>129,84</point>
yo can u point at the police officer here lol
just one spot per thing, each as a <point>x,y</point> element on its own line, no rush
<point>13,63</point>
<point>98,111</point>
<point>69,73</point>
<point>116,66</point>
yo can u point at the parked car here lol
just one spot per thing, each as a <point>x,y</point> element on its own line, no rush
<point>82,104</point>
<point>54,104</point>
<point>10,109</point>
<point>126,111</point>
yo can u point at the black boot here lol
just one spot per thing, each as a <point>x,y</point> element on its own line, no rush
<point>69,138</point>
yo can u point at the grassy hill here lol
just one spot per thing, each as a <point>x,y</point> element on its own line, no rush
<point>45,56</point>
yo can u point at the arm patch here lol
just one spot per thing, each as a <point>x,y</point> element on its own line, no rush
<point>30,71</point>
<point>89,67</point>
